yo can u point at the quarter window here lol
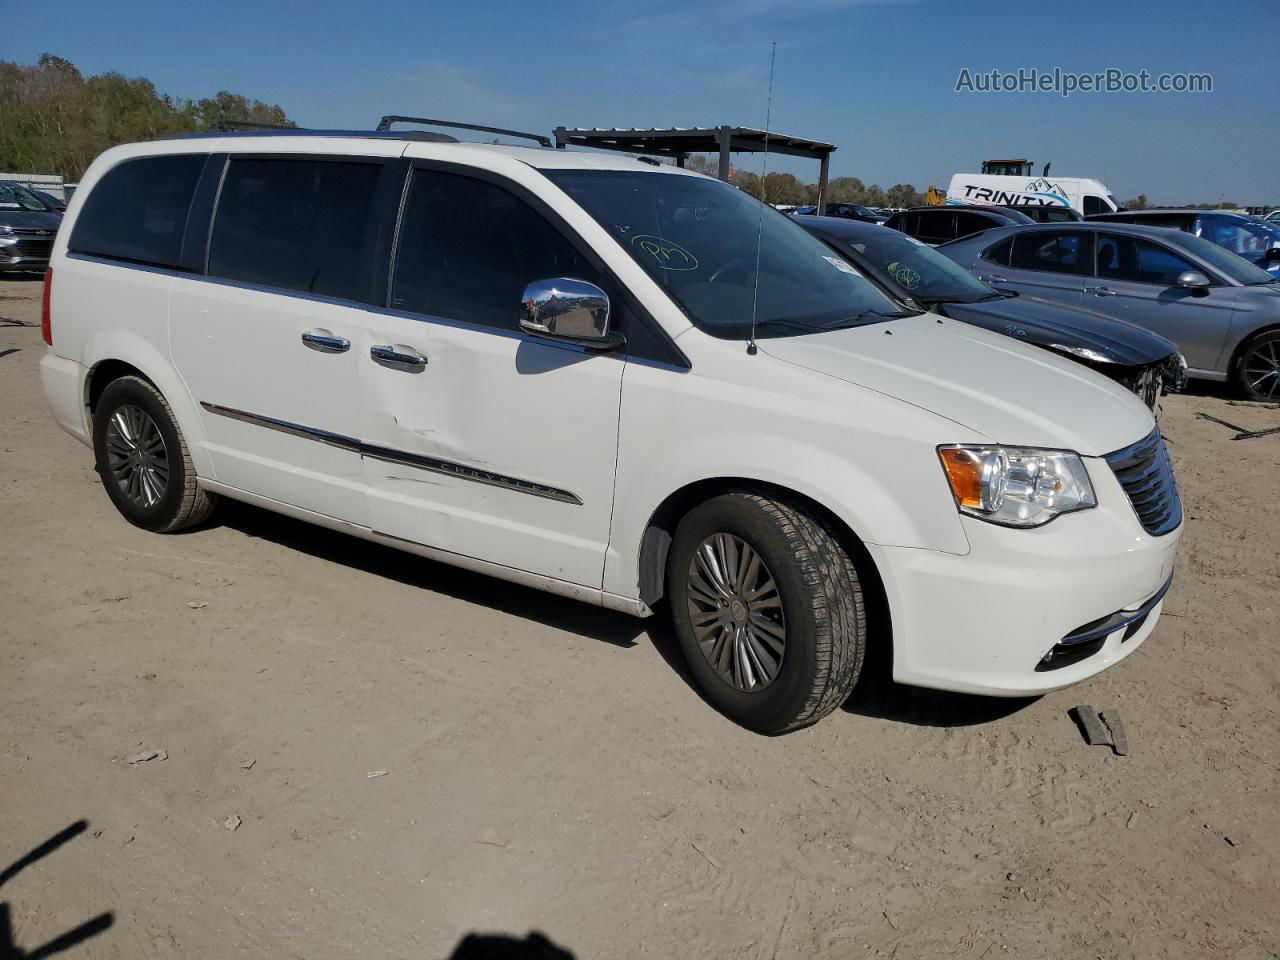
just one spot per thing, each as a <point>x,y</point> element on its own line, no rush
<point>1049,252</point>
<point>1138,261</point>
<point>468,248</point>
<point>296,224</point>
<point>137,212</point>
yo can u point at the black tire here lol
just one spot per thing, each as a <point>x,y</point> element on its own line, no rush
<point>182,503</point>
<point>821,600</point>
<point>1257,357</point>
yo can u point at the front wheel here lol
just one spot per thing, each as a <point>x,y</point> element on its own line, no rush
<point>1257,372</point>
<point>143,461</point>
<point>768,609</point>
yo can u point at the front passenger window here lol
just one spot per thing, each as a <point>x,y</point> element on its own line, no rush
<point>1138,261</point>
<point>468,248</point>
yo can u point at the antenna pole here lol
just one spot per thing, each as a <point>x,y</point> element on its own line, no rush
<point>764,192</point>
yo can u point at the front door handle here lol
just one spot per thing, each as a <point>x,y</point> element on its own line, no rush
<point>325,342</point>
<point>1100,291</point>
<point>992,278</point>
<point>398,356</point>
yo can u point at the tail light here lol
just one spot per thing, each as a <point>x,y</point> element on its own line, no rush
<point>46,324</point>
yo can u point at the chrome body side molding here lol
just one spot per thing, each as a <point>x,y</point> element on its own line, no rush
<point>389,455</point>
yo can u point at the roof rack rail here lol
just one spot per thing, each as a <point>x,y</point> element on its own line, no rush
<point>421,136</point>
<point>385,125</point>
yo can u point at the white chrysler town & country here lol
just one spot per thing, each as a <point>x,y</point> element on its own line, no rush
<point>617,382</point>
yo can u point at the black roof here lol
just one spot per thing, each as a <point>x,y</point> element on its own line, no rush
<point>997,212</point>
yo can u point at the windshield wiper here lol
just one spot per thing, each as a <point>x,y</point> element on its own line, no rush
<point>809,326</point>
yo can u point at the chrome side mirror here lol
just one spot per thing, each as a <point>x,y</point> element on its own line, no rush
<point>1193,280</point>
<point>568,309</point>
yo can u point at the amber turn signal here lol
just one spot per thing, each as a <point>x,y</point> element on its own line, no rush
<point>964,472</point>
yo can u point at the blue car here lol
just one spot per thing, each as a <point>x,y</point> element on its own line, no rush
<point>1255,240</point>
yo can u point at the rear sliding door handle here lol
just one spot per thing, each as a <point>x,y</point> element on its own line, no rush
<point>398,356</point>
<point>325,342</point>
<point>1100,291</point>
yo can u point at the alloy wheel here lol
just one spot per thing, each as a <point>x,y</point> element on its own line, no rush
<point>1262,369</point>
<point>136,455</point>
<point>736,612</point>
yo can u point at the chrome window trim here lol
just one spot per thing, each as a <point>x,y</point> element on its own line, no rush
<point>419,461</point>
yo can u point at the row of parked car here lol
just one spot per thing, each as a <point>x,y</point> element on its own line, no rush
<point>29,220</point>
<point>1147,297</point>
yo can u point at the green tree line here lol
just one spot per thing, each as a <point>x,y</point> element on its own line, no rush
<point>786,188</point>
<point>53,119</point>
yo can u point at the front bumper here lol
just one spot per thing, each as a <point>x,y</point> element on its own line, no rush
<point>984,622</point>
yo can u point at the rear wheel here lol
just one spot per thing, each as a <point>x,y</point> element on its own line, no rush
<point>143,461</point>
<point>1257,372</point>
<point>768,609</point>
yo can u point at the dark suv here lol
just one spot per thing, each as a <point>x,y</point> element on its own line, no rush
<point>934,225</point>
<point>1047,212</point>
<point>1256,241</point>
<point>27,229</point>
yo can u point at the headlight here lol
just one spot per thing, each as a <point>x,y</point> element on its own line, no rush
<point>1016,486</point>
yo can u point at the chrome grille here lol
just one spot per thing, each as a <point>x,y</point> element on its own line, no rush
<point>33,248</point>
<point>1146,474</point>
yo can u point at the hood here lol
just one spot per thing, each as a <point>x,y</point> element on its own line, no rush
<point>30,219</point>
<point>1005,391</point>
<point>1049,324</point>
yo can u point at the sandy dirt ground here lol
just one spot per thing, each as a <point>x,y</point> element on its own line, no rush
<point>549,768</point>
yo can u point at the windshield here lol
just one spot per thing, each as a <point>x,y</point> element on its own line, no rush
<point>922,273</point>
<point>14,196</point>
<point>1224,261</point>
<point>697,238</point>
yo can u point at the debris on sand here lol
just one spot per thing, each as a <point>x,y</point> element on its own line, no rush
<point>374,774</point>
<point>197,604</point>
<point>146,755</point>
<point>1091,726</point>
<point>1102,729</point>
<point>1119,740</point>
<point>490,838</point>
<point>248,764</point>
<point>232,822</point>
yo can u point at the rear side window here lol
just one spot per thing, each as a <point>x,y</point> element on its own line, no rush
<point>1050,252</point>
<point>999,253</point>
<point>971,223</point>
<point>138,211</point>
<point>468,248</point>
<point>296,224</point>
<point>937,226</point>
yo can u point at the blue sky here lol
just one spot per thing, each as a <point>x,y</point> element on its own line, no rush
<point>876,77</point>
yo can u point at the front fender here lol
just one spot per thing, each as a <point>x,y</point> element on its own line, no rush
<point>875,469</point>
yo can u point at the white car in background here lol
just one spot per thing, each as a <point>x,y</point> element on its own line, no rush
<point>565,370</point>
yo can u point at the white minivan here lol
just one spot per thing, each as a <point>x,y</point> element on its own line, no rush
<point>623,383</point>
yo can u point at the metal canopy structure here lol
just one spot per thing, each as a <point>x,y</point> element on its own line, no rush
<point>679,142</point>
